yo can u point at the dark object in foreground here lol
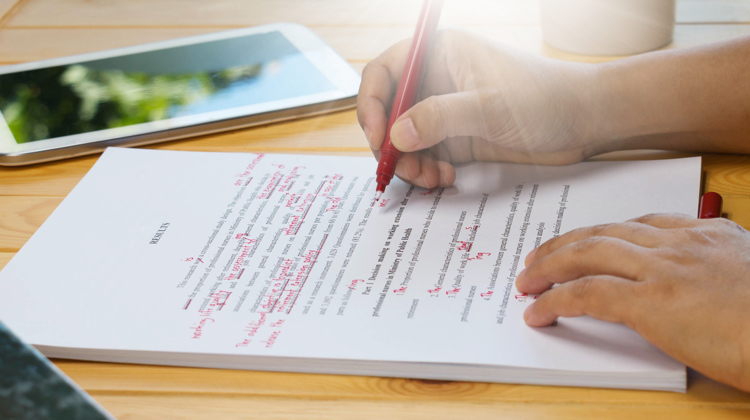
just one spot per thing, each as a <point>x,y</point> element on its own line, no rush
<point>31,387</point>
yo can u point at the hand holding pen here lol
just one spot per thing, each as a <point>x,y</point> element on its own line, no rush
<point>408,88</point>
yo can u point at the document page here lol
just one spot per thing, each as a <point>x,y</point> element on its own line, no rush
<point>284,255</point>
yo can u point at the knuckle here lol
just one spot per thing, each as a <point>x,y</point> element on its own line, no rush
<point>367,70</point>
<point>362,112</point>
<point>727,224</point>
<point>633,314</point>
<point>438,107</point>
<point>699,236</point>
<point>434,116</point>
<point>487,98</point>
<point>492,110</point>
<point>371,73</point>
<point>548,247</point>
<point>660,290</point>
<point>626,225</point>
<point>675,216</point>
<point>587,245</point>
<point>646,218</point>
<point>652,217</point>
<point>671,253</point>
<point>603,230</point>
<point>583,288</point>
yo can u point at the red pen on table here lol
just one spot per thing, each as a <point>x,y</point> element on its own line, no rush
<point>408,87</point>
<point>710,206</point>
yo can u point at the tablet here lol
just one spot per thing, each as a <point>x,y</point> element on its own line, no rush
<point>167,90</point>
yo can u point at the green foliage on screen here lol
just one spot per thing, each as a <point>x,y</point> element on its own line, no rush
<point>61,101</point>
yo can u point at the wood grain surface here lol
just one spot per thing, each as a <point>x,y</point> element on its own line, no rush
<point>359,31</point>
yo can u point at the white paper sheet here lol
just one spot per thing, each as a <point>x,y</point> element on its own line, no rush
<point>282,255</point>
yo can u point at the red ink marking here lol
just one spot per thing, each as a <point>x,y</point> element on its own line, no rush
<point>487,294</point>
<point>335,202</point>
<point>188,259</point>
<point>479,256</point>
<point>277,323</point>
<point>271,186</point>
<point>248,170</point>
<point>188,303</point>
<point>464,246</point>
<point>523,296</point>
<point>453,292</point>
<point>272,339</point>
<point>252,329</point>
<point>255,162</point>
<point>216,299</point>
<point>292,200</point>
<point>434,291</point>
<point>400,291</point>
<point>286,185</point>
<point>354,283</point>
<point>286,265</point>
<point>198,330</point>
<point>384,202</point>
<point>294,223</point>
<point>246,248</point>
<point>302,218</point>
<point>312,258</point>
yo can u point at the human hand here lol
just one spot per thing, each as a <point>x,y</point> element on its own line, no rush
<point>481,101</point>
<point>682,283</point>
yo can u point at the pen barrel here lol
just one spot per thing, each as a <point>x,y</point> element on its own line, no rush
<point>710,206</point>
<point>411,81</point>
<point>387,165</point>
<point>411,78</point>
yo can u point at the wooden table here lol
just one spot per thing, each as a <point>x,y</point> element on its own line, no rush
<point>359,30</point>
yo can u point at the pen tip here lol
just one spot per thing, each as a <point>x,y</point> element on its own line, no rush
<point>377,197</point>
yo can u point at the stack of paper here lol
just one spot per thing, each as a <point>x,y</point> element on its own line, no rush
<point>279,262</point>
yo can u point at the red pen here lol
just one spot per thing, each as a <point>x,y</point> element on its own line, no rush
<point>710,206</point>
<point>408,87</point>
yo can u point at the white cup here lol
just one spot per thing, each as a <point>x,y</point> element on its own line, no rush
<point>607,27</point>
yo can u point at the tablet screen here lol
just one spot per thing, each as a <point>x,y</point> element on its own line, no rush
<point>156,85</point>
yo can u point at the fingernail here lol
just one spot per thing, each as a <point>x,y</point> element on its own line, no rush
<point>422,181</point>
<point>368,134</point>
<point>530,257</point>
<point>520,276</point>
<point>404,135</point>
<point>527,313</point>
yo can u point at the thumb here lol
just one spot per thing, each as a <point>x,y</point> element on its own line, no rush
<point>432,120</point>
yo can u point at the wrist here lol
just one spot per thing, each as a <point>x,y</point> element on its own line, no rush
<point>601,122</point>
<point>642,102</point>
<point>621,104</point>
